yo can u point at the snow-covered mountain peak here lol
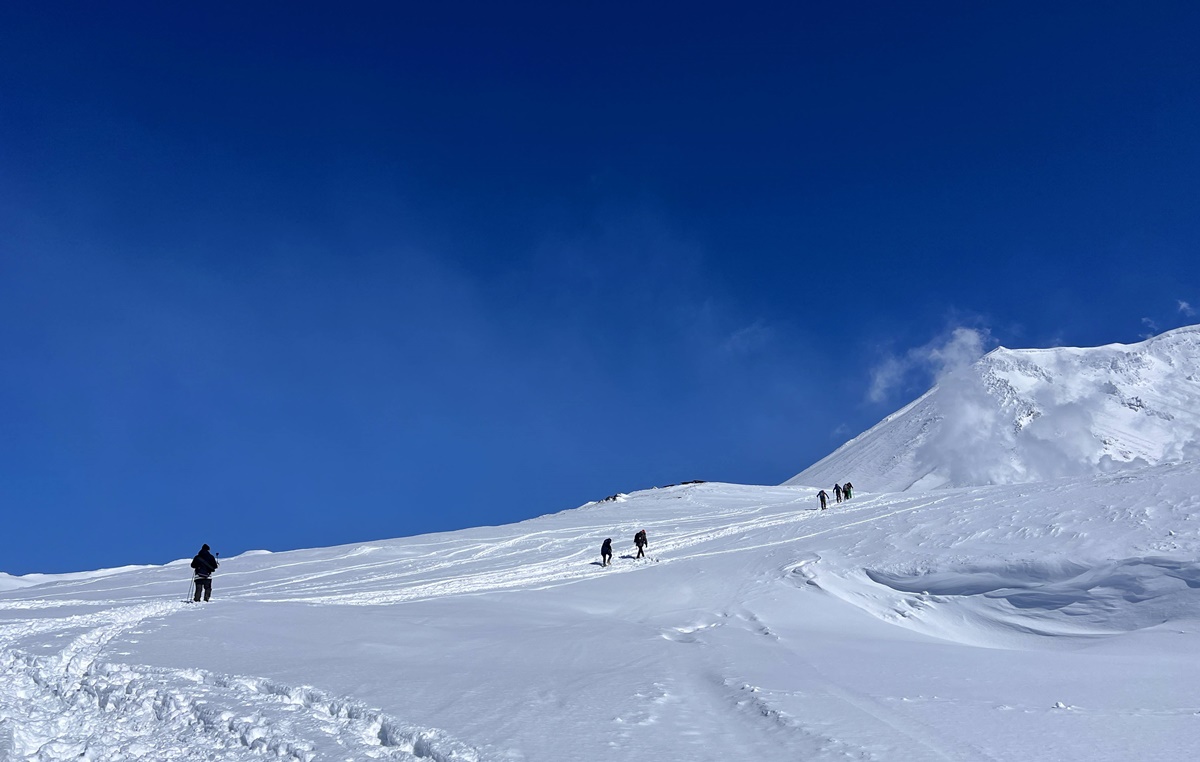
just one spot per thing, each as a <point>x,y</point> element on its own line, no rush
<point>1025,415</point>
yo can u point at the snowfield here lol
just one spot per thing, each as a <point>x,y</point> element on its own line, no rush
<point>1051,621</point>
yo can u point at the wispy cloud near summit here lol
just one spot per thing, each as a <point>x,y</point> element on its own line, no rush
<point>945,354</point>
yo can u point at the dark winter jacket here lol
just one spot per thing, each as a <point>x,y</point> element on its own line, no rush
<point>606,548</point>
<point>204,563</point>
<point>639,539</point>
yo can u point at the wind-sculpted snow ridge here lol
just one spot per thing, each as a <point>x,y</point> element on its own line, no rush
<point>1119,555</point>
<point>1066,597</point>
<point>1022,416</point>
<point>73,705</point>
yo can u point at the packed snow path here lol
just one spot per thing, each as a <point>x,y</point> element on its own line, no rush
<point>1055,621</point>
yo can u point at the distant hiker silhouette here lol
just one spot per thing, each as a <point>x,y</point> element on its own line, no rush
<point>205,564</point>
<point>847,488</point>
<point>640,541</point>
<point>606,552</point>
<point>837,492</point>
<point>823,497</point>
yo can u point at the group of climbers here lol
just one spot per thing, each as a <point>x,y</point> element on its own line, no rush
<point>840,492</point>
<point>639,540</point>
<point>205,563</point>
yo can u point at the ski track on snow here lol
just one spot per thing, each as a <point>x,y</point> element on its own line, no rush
<point>569,555</point>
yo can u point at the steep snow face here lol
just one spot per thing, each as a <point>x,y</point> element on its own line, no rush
<point>1021,416</point>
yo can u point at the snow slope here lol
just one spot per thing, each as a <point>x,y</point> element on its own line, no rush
<point>1056,621</point>
<point>1020,416</point>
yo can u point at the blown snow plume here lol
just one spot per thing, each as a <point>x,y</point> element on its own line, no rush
<point>1025,415</point>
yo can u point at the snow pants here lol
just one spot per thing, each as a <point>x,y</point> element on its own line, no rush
<point>203,584</point>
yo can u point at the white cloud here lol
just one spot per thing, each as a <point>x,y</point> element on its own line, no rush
<point>965,346</point>
<point>886,376</point>
<point>1186,308</point>
<point>938,358</point>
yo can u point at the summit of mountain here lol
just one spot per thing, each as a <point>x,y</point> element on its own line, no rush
<point>1026,415</point>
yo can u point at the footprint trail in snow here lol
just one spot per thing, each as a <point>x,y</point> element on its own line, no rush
<point>74,705</point>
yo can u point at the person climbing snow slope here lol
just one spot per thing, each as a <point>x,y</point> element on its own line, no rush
<point>205,564</point>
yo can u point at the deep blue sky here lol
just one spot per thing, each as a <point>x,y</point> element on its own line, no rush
<point>276,276</point>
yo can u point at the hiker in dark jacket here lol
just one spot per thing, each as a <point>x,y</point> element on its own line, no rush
<point>846,489</point>
<point>205,564</point>
<point>837,493</point>
<point>823,496</point>
<point>606,552</point>
<point>640,541</point>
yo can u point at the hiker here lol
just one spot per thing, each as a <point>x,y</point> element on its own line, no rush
<point>606,552</point>
<point>837,492</point>
<point>205,564</point>
<point>823,497</point>
<point>846,489</point>
<point>639,540</point>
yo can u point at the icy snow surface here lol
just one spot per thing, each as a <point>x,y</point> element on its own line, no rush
<point>1055,621</point>
<point>1020,416</point>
